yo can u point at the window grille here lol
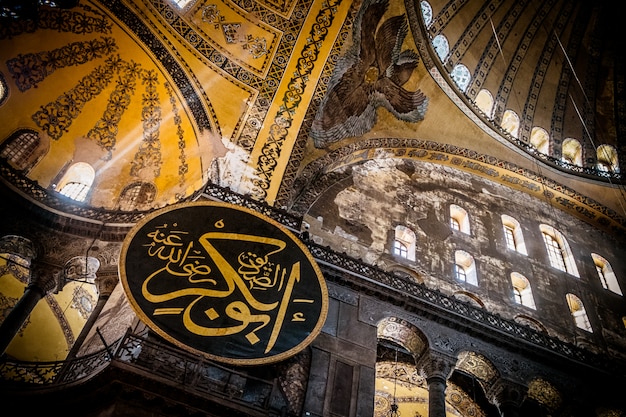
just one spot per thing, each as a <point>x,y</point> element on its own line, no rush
<point>19,149</point>
<point>510,237</point>
<point>400,249</point>
<point>460,273</point>
<point>555,254</point>
<point>75,190</point>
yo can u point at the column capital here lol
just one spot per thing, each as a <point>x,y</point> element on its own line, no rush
<point>81,268</point>
<point>46,277</point>
<point>436,365</point>
<point>506,394</point>
<point>106,280</point>
<point>19,246</point>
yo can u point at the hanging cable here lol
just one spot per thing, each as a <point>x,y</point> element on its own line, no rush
<point>617,197</point>
<point>540,175</point>
<point>493,28</point>
<point>584,124</point>
<point>394,405</point>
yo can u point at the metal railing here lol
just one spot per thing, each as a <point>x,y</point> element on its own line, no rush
<point>66,205</point>
<point>340,267</point>
<point>217,192</point>
<point>336,267</point>
<point>178,367</point>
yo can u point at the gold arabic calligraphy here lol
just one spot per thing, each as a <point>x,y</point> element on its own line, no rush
<point>183,257</point>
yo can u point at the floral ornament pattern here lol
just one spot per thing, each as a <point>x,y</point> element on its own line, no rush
<point>106,129</point>
<point>28,70</point>
<point>56,117</point>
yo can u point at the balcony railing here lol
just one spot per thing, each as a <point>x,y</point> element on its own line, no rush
<point>176,366</point>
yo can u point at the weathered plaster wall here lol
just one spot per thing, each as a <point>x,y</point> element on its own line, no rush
<point>358,215</point>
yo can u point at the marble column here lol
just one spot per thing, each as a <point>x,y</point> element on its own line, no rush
<point>436,368</point>
<point>43,278</point>
<point>105,279</point>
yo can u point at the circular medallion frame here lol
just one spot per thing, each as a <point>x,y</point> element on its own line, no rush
<point>224,282</point>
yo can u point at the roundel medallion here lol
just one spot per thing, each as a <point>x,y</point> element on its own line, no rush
<point>224,282</point>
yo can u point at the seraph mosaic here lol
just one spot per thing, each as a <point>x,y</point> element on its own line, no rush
<point>371,74</point>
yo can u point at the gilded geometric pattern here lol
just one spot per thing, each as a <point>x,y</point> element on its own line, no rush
<point>104,133</point>
<point>544,393</point>
<point>6,305</point>
<point>281,7</point>
<point>59,313</point>
<point>60,20</point>
<point>149,152</point>
<point>259,83</point>
<point>83,302</point>
<point>477,365</point>
<point>403,333</point>
<point>183,167</point>
<point>286,187</point>
<point>461,401</point>
<point>181,77</point>
<point>56,117</point>
<point>282,121</point>
<point>251,44</point>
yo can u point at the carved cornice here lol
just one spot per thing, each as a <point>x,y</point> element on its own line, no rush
<point>318,175</point>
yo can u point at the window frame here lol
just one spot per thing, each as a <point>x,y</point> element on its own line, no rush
<point>459,219</point>
<point>578,312</point>
<point>513,235</point>
<point>465,269</point>
<point>558,249</point>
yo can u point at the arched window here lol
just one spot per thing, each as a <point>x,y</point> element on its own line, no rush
<point>572,152</point>
<point>465,268</point>
<point>461,76</point>
<point>606,274</point>
<point>559,252</point>
<point>459,220</point>
<point>510,122</point>
<point>513,234</point>
<point>521,290</point>
<point>540,139</point>
<point>19,148</point>
<point>484,101</point>
<point>577,309</point>
<point>181,3</point>
<point>404,243</point>
<point>607,158</point>
<point>427,12</point>
<point>137,196</point>
<point>77,181</point>
<point>440,43</point>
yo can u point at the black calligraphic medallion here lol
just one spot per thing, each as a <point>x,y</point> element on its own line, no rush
<point>225,282</point>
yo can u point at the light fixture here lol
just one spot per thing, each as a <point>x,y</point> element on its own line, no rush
<point>394,405</point>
